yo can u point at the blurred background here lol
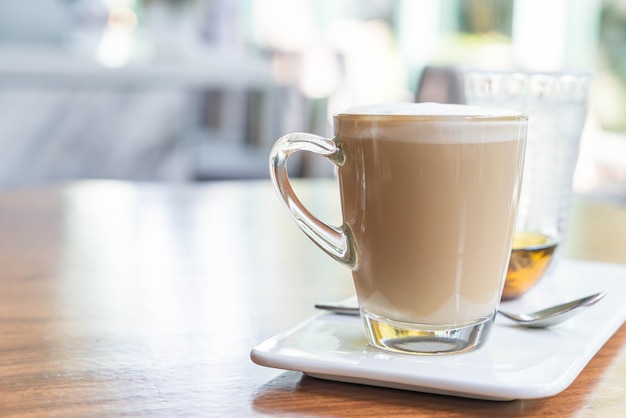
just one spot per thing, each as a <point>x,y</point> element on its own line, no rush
<point>198,90</point>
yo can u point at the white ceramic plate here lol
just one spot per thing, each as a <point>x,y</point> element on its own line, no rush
<point>515,363</point>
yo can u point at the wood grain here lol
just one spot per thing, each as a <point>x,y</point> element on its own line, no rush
<point>145,300</point>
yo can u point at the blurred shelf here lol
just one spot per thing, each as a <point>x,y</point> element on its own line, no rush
<point>60,67</point>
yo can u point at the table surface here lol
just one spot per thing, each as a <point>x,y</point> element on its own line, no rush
<point>143,299</point>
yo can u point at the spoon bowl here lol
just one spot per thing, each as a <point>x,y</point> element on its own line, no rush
<point>553,315</point>
<point>539,319</point>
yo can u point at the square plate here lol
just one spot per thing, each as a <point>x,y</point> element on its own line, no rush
<point>514,363</point>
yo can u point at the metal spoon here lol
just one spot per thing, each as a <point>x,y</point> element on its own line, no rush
<point>540,319</point>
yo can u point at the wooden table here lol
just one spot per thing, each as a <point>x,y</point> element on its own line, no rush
<point>127,299</point>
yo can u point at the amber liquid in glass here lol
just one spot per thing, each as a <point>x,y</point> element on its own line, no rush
<point>530,257</point>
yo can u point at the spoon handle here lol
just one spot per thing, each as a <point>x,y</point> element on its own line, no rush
<point>338,309</point>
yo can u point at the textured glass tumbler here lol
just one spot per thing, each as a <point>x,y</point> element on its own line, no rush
<point>556,104</point>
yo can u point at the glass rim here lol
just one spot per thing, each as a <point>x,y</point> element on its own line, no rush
<point>513,116</point>
<point>428,112</point>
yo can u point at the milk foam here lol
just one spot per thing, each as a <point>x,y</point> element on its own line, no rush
<point>429,109</point>
<point>431,123</point>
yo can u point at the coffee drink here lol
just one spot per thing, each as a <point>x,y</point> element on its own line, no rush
<point>431,201</point>
<point>429,196</point>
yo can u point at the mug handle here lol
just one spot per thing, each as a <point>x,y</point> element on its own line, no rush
<point>335,241</point>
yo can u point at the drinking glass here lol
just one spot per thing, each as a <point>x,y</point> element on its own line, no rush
<point>428,197</point>
<point>556,104</point>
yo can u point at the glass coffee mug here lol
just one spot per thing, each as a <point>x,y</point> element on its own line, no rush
<point>429,196</point>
